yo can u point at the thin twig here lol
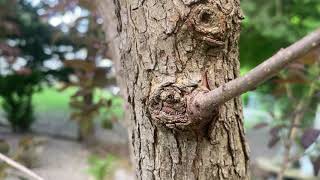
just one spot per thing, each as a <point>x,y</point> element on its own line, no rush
<point>19,167</point>
<point>298,116</point>
<point>289,142</point>
<point>206,102</point>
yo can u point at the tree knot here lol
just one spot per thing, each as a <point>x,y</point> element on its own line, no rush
<point>169,106</point>
<point>209,24</point>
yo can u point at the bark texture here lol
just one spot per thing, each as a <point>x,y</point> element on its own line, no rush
<point>170,51</point>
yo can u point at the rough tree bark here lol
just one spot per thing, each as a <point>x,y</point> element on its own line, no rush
<point>170,49</point>
<point>177,56</point>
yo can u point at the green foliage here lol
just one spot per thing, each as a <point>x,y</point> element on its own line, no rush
<point>99,168</point>
<point>24,38</point>
<point>268,27</point>
<point>26,34</point>
<point>271,25</point>
<point>29,33</point>
<point>16,91</point>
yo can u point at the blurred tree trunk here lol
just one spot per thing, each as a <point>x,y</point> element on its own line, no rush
<point>168,51</point>
<point>106,8</point>
<point>86,130</point>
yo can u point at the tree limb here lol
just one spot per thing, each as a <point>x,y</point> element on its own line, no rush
<point>204,103</point>
<point>19,167</point>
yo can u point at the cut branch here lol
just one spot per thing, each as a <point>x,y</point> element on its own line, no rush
<point>19,167</point>
<point>206,102</point>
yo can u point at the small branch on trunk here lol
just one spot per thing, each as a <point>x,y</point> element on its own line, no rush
<point>19,167</point>
<point>204,103</point>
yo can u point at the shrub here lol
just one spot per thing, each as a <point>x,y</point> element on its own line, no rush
<point>16,91</point>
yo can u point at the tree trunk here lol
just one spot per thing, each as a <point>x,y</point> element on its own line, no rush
<point>171,50</point>
<point>86,131</point>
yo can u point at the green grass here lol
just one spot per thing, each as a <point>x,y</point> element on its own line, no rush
<point>51,99</point>
<point>53,104</point>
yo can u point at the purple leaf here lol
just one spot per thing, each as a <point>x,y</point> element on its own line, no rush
<point>309,136</point>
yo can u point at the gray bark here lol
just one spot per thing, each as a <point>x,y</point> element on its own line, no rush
<point>171,49</point>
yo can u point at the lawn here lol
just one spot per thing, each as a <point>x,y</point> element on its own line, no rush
<point>51,99</point>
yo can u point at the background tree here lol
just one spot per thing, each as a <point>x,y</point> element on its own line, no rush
<point>22,60</point>
<point>65,48</point>
<point>84,34</point>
